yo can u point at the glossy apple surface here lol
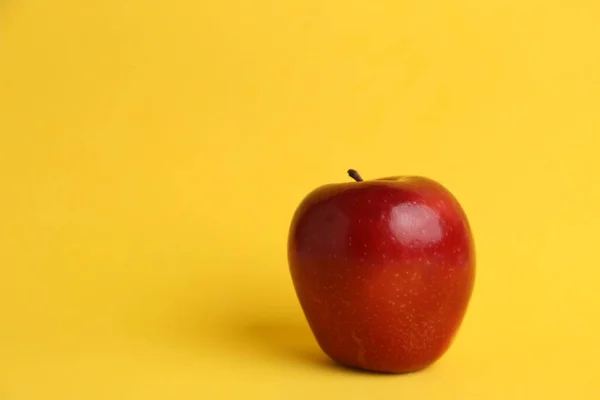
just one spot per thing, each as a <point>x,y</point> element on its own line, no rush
<point>383,270</point>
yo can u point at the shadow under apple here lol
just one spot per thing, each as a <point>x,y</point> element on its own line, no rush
<point>250,322</point>
<point>265,336</point>
<point>279,339</point>
<point>292,342</point>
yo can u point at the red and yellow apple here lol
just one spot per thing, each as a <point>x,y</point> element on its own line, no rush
<point>383,270</point>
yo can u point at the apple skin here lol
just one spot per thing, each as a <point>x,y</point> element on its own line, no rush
<point>384,271</point>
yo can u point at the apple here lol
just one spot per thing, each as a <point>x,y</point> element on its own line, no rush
<point>383,270</point>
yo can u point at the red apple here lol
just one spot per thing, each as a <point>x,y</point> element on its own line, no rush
<point>383,270</point>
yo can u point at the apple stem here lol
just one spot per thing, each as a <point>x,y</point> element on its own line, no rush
<point>355,175</point>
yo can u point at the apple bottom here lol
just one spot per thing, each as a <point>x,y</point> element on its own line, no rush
<point>401,351</point>
<point>377,358</point>
<point>398,323</point>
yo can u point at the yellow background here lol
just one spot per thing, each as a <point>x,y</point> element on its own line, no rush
<point>152,154</point>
